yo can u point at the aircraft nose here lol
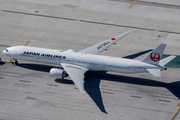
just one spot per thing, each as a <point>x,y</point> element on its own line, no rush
<point>4,51</point>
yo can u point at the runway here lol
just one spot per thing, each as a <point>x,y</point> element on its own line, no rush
<point>27,92</point>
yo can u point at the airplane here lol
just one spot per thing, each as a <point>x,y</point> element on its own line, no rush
<point>77,63</point>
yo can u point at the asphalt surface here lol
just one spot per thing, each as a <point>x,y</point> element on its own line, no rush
<point>27,92</point>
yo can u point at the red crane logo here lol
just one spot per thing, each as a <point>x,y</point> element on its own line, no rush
<point>155,56</point>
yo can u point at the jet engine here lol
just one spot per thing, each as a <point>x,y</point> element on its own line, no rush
<point>71,50</point>
<point>58,73</point>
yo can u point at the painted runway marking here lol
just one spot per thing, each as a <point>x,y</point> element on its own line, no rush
<point>132,4</point>
<point>175,115</point>
<point>164,100</point>
<point>6,62</point>
<point>107,92</point>
<point>27,43</point>
<point>5,45</point>
<point>87,21</point>
<point>52,85</point>
<point>25,81</point>
<point>135,96</point>
<point>157,3</point>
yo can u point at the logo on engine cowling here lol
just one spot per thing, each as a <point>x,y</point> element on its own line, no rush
<point>155,56</point>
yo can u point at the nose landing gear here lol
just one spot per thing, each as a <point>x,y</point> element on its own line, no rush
<point>14,61</point>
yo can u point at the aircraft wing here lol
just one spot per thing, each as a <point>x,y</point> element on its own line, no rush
<point>76,73</point>
<point>100,47</point>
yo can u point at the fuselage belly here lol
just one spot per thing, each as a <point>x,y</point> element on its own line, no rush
<point>90,61</point>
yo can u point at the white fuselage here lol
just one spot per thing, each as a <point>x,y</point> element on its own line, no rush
<point>90,61</point>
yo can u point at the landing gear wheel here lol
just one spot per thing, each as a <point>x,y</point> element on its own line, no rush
<point>16,62</point>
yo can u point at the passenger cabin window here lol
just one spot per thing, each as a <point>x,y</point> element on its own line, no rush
<point>93,63</point>
<point>67,60</point>
<point>81,62</point>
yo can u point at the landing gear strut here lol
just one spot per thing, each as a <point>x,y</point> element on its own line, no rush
<point>15,61</point>
<point>85,77</point>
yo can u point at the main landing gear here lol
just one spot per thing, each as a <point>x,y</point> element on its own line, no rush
<point>85,77</point>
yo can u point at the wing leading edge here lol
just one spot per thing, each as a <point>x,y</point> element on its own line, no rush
<point>100,47</point>
<point>76,73</point>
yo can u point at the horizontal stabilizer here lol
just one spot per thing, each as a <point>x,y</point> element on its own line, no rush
<point>155,72</point>
<point>166,60</point>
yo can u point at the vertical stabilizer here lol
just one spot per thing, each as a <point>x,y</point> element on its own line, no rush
<point>155,56</point>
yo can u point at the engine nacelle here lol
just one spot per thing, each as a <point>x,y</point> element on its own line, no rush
<point>71,50</point>
<point>58,73</point>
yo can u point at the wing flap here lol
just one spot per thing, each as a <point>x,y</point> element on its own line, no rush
<point>76,73</point>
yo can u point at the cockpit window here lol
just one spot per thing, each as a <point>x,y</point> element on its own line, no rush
<point>6,50</point>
